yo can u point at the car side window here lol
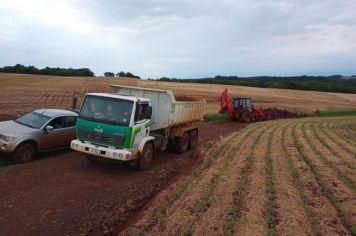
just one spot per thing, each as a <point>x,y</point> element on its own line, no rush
<point>69,121</point>
<point>56,123</point>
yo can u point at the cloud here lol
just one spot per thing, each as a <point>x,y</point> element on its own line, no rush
<point>184,38</point>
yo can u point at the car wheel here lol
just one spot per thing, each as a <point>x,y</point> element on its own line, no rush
<point>24,153</point>
<point>145,159</point>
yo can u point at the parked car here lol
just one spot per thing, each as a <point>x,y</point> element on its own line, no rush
<point>37,131</point>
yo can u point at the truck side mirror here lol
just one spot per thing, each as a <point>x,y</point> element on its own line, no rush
<point>148,114</point>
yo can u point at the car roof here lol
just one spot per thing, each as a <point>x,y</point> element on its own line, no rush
<point>56,112</point>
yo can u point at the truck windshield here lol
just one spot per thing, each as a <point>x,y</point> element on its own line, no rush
<point>33,120</point>
<point>107,110</point>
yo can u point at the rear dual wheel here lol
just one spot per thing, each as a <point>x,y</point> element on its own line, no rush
<point>189,140</point>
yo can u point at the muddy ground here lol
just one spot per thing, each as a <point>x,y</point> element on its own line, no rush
<point>61,193</point>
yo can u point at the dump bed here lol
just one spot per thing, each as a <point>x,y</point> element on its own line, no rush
<point>166,111</point>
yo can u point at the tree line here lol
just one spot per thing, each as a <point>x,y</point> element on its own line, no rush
<point>57,71</point>
<point>334,83</point>
<point>121,74</point>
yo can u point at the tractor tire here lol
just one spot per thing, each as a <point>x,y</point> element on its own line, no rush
<point>144,161</point>
<point>245,117</point>
<point>24,153</point>
<point>182,143</point>
<point>193,139</point>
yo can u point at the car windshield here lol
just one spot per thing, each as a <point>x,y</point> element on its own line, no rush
<point>107,110</point>
<point>33,120</point>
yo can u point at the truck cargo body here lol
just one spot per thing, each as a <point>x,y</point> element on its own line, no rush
<point>140,119</point>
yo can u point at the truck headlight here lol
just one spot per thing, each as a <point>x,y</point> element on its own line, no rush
<point>7,138</point>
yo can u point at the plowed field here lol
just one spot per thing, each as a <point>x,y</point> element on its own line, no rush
<point>23,93</point>
<point>285,177</point>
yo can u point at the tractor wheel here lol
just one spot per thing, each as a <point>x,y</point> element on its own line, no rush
<point>193,139</point>
<point>182,143</point>
<point>144,161</point>
<point>24,153</point>
<point>245,117</point>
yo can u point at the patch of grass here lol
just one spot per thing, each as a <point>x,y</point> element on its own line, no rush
<point>269,185</point>
<point>199,205</point>
<point>296,182</point>
<point>235,211</point>
<point>160,210</point>
<point>343,177</point>
<point>217,117</point>
<point>345,218</point>
<point>331,149</point>
<point>336,112</point>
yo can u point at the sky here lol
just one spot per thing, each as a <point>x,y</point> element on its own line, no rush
<point>182,39</point>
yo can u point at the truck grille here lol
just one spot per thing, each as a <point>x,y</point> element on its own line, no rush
<point>112,140</point>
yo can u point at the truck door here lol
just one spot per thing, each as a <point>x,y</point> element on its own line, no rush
<point>141,124</point>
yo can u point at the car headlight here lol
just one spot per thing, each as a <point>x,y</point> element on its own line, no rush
<point>7,138</point>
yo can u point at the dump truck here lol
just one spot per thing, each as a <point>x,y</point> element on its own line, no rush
<point>132,124</point>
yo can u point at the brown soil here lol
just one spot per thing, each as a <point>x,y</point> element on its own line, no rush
<point>62,193</point>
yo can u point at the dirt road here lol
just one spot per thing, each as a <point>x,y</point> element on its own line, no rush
<point>62,193</point>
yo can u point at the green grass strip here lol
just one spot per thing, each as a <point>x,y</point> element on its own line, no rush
<point>342,176</point>
<point>331,149</point>
<point>160,210</point>
<point>199,205</point>
<point>345,218</point>
<point>297,183</point>
<point>235,211</point>
<point>269,184</point>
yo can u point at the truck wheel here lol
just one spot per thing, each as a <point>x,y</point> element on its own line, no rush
<point>193,139</point>
<point>24,153</point>
<point>145,159</point>
<point>182,143</point>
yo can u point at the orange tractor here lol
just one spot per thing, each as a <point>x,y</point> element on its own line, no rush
<point>241,109</point>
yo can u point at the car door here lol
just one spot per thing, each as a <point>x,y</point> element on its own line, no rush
<point>61,135</point>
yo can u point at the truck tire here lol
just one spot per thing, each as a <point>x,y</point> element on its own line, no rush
<point>193,139</point>
<point>24,153</point>
<point>144,161</point>
<point>182,143</point>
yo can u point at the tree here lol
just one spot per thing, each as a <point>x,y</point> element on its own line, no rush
<point>109,74</point>
<point>121,74</point>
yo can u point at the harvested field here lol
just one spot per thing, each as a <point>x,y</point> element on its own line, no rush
<point>23,93</point>
<point>285,177</point>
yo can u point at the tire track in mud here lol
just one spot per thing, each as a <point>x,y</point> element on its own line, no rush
<point>155,216</point>
<point>337,219</point>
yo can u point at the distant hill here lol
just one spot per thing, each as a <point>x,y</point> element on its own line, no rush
<point>334,83</point>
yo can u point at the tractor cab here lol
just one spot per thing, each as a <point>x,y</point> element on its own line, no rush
<point>242,104</point>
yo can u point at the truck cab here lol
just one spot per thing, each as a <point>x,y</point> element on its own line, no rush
<point>113,126</point>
